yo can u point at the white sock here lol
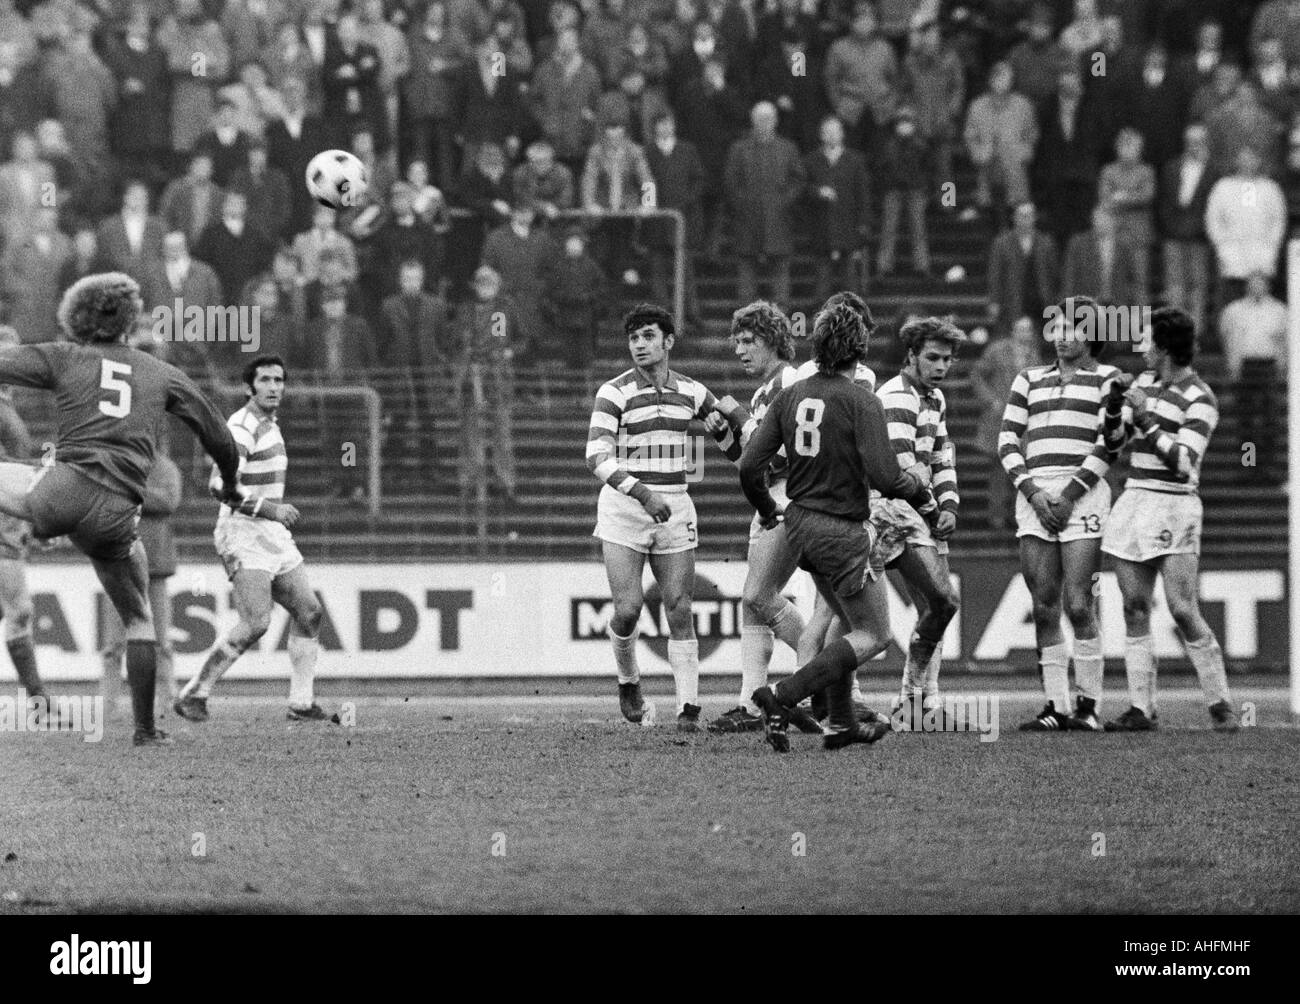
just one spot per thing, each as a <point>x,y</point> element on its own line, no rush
<point>911,675</point>
<point>684,658</point>
<point>1089,667</point>
<point>625,657</point>
<point>855,692</point>
<point>1207,658</point>
<point>1055,660</point>
<point>302,657</point>
<point>930,682</point>
<point>788,625</point>
<point>756,644</point>
<point>1140,669</point>
<point>214,667</point>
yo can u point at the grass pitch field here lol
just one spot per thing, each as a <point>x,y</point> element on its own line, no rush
<point>553,804</point>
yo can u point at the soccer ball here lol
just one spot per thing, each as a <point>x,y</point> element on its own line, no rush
<point>336,179</point>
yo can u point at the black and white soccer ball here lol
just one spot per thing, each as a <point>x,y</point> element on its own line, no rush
<point>336,179</point>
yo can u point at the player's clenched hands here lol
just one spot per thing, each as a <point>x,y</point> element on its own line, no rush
<point>1119,384</point>
<point>944,524</point>
<point>921,472</point>
<point>657,506</point>
<point>715,423</point>
<point>1062,509</point>
<point>1042,503</point>
<point>1136,398</point>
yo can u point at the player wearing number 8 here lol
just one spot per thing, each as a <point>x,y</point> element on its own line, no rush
<point>110,399</point>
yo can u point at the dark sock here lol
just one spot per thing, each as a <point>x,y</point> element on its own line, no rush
<point>820,706</point>
<point>141,672</point>
<point>839,696</point>
<point>23,653</point>
<point>832,663</point>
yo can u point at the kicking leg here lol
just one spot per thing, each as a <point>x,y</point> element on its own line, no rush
<point>1137,583</point>
<point>624,567</point>
<point>16,608</point>
<point>293,592</point>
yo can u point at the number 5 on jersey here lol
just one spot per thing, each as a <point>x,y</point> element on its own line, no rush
<point>807,430</point>
<point>110,379</point>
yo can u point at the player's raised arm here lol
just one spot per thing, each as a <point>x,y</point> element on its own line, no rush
<point>879,459</point>
<point>1117,415</point>
<point>1015,420</point>
<point>187,402</point>
<point>731,438</point>
<point>26,366</point>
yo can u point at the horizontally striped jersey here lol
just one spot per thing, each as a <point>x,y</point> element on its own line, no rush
<point>1053,427</point>
<point>918,430</point>
<point>862,373</point>
<point>638,434</point>
<point>263,463</point>
<point>758,405</point>
<point>1170,437</point>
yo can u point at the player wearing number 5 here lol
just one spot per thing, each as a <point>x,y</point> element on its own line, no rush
<point>111,401</point>
<point>1053,449</point>
<point>639,447</point>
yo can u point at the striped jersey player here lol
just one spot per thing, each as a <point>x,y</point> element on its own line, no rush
<point>1053,448</point>
<point>257,549</point>
<point>639,447</point>
<point>1167,417</point>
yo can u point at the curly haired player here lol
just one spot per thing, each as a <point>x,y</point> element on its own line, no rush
<point>111,399</point>
<point>834,435</point>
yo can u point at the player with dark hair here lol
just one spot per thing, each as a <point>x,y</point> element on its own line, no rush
<point>915,541</point>
<point>1053,449</point>
<point>638,446</point>
<point>254,542</point>
<point>111,399</point>
<point>764,343</point>
<point>1167,416</point>
<point>835,437</point>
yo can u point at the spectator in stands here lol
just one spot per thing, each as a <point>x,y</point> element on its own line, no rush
<point>1155,104</point>
<point>26,182</point>
<point>1066,163</point>
<point>935,88</point>
<point>991,379</point>
<point>24,93</point>
<point>1198,68</point>
<point>637,51</point>
<point>490,107</point>
<point>280,331</point>
<point>1036,62</point>
<point>338,344</point>
<point>429,202</point>
<point>288,57</point>
<point>350,76</point>
<point>644,105</point>
<point>677,33</point>
<point>489,339</point>
<point>332,274</point>
<point>316,30</point>
<point>507,37</point>
<point>543,181</point>
<point>1279,19</point>
<point>322,237</point>
<point>800,98</point>
<point>1101,265</point>
<point>178,277</point>
<point>1254,327</point>
<point>362,217</point>
<point>616,179</point>
<point>604,29</point>
<point>84,259</point>
<point>191,202</point>
<point>290,286</point>
<point>1240,122</point>
<point>1273,84</point>
<point>414,331</point>
<point>1253,331</point>
<point>394,58</point>
<point>839,193</point>
<point>1218,90</point>
<point>131,239</point>
<point>140,129</point>
<point>404,237</point>
<point>1023,270</point>
<point>72,178</point>
<point>29,273</point>
<point>1245,219</point>
<point>83,92</point>
<point>256,101</point>
<point>1083,35</point>
<point>1001,131</point>
<point>266,190</point>
<point>290,145</point>
<point>190,38</point>
<point>16,30</point>
<point>688,65</point>
<point>1128,188</point>
<point>764,182</point>
<point>862,78</point>
<point>573,305</point>
<point>1184,194</point>
<point>236,247</point>
<point>679,184</point>
<point>224,142</point>
<point>518,253</point>
<point>564,94</point>
<point>712,116</point>
<point>429,91</point>
<point>905,183</point>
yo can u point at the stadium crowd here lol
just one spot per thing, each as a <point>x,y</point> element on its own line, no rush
<point>1124,150</point>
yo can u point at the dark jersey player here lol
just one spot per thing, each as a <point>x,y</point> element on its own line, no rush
<point>111,401</point>
<point>837,442</point>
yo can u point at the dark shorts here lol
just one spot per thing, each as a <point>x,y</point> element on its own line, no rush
<point>65,502</point>
<point>837,549</point>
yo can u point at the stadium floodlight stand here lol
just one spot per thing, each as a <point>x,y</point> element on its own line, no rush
<point>1293,468</point>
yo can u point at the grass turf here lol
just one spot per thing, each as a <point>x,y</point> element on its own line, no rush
<point>404,810</point>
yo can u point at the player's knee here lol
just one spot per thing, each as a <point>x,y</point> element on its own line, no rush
<point>18,620</point>
<point>1080,612</point>
<point>1186,618</point>
<point>1137,609</point>
<point>258,624</point>
<point>759,608</point>
<point>309,617</point>
<point>678,610</point>
<point>625,618</point>
<point>943,607</point>
<point>1047,612</point>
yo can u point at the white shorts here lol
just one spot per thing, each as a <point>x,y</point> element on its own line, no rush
<point>777,488</point>
<point>1087,521</point>
<point>897,525</point>
<point>1147,524</point>
<point>258,545</point>
<point>621,519</point>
